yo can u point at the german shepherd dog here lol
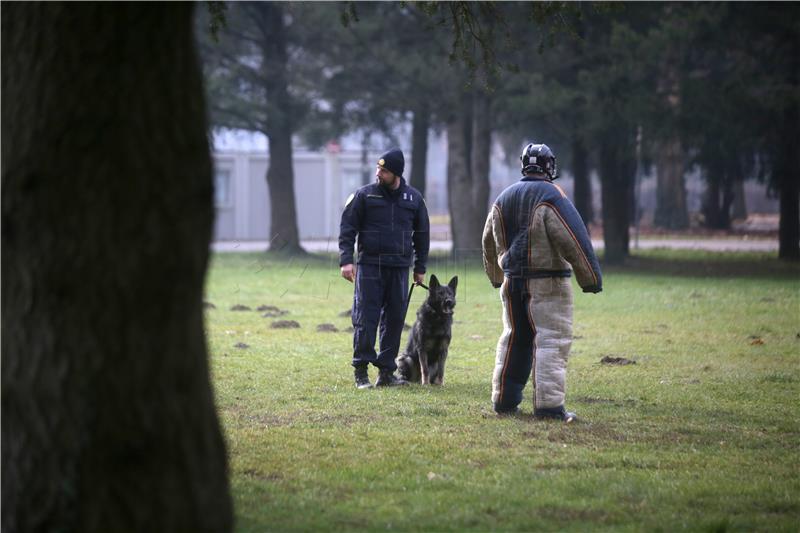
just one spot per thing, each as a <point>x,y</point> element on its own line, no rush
<point>424,357</point>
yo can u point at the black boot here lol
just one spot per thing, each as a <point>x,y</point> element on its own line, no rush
<point>505,411</point>
<point>555,413</point>
<point>387,379</point>
<point>362,377</point>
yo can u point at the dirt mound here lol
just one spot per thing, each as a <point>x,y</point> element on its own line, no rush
<point>240,307</point>
<point>209,305</point>
<point>327,327</point>
<point>241,345</point>
<point>284,324</point>
<point>272,311</point>
<point>347,312</point>
<point>609,360</point>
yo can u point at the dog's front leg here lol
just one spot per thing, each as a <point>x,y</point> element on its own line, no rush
<point>438,379</point>
<point>423,367</point>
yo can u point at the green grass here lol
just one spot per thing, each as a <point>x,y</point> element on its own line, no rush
<point>701,434</point>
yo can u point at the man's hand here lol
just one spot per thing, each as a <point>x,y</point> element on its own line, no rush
<point>419,278</point>
<point>348,272</point>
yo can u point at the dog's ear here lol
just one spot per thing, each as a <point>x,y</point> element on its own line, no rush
<point>453,283</point>
<point>434,282</point>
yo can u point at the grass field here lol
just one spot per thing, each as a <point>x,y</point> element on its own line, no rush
<point>701,434</point>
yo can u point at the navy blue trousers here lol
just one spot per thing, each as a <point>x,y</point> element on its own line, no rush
<point>379,300</point>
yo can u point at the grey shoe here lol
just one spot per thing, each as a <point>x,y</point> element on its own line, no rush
<point>388,379</point>
<point>362,378</point>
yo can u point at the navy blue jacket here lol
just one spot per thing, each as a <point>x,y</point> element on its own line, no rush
<point>392,227</point>
<point>534,231</point>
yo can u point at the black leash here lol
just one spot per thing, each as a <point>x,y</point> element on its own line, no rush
<point>408,300</point>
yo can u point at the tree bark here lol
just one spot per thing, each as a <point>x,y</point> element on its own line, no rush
<point>788,168</point>
<point>419,147</point>
<point>617,190</point>
<point>459,184</point>
<point>671,211</point>
<point>468,151</point>
<point>284,234</point>
<point>739,211</point>
<point>480,157</point>
<point>366,168</point>
<point>710,206</point>
<point>583,183</point>
<point>108,417</point>
<point>718,196</point>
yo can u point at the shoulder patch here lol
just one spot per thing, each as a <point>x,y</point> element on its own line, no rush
<point>349,199</point>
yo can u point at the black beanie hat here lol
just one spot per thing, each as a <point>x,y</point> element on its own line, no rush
<point>393,161</point>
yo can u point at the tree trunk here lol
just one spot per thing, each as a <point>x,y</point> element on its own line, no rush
<point>616,186</point>
<point>284,234</point>
<point>718,197</point>
<point>731,170</point>
<point>419,147</point>
<point>671,211</point>
<point>788,180</point>
<point>739,200</point>
<point>367,175</point>
<point>468,151</point>
<point>108,417</point>
<point>480,158</point>
<point>459,181</point>
<point>583,184</point>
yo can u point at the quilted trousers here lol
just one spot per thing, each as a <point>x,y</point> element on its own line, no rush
<point>536,339</point>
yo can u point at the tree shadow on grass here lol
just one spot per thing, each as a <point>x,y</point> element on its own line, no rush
<point>708,265</point>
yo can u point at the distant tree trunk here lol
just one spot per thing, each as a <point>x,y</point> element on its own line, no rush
<point>739,200</point>
<point>616,176</point>
<point>459,179</point>
<point>366,169</point>
<point>419,146</point>
<point>732,171</point>
<point>788,179</point>
<point>718,196</point>
<point>583,184</point>
<point>108,417</point>
<point>463,187</point>
<point>284,234</point>
<point>481,156</point>
<point>710,205</point>
<point>671,211</point>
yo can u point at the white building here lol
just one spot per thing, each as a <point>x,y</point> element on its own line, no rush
<point>322,183</point>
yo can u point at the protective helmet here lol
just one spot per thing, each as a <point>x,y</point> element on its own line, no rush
<point>539,159</point>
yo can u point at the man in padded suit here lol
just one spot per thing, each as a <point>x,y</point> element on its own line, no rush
<point>533,234</point>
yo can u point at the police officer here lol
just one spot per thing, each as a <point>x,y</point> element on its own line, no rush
<point>533,234</point>
<point>390,219</point>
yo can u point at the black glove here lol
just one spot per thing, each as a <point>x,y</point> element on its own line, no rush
<point>593,289</point>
